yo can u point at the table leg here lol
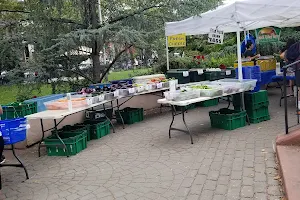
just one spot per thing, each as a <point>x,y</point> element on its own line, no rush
<point>21,163</point>
<point>297,99</point>
<point>43,135</point>
<point>243,107</point>
<point>187,131</point>
<point>113,127</point>
<point>118,109</point>
<point>173,117</point>
<point>183,118</point>
<point>57,135</point>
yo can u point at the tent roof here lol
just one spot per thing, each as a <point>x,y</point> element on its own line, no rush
<point>250,14</point>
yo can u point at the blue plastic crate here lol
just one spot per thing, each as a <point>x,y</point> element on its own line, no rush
<point>13,131</point>
<point>41,100</point>
<point>266,77</point>
<point>129,81</point>
<point>250,73</point>
<point>99,85</point>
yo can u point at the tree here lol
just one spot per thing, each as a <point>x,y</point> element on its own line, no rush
<point>60,29</point>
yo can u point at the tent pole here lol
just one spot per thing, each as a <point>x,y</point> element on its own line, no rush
<point>167,51</point>
<point>245,37</point>
<point>239,53</point>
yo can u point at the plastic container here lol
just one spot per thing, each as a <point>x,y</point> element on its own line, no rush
<point>100,85</point>
<point>227,119</point>
<point>123,92</point>
<point>227,88</point>
<point>108,96</point>
<point>147,78</point>
<point>245,84</point>
<point>196,76</point>
<point>74,141</point>
<point>170,96</point>
<point>258,113</point>
<point>259,120</point>
<point>129,81</point>
<point>14,130</point>
<point>212,76</point>
<point>63,104</point>
<point>267,64</point>
<point>247,63</point>
<point>41,100</point>
<point>208,103</point>
<point>99,114</point>
<point>192,94</point>
<point>210,92</point>
<point>18,110</point>
<point>130,115</point>
<point>256,97</point>
<point>230,73</point>
<point>182,76</point>
<point>100,129</point>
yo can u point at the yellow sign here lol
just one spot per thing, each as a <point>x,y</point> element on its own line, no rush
<point>177,40</point>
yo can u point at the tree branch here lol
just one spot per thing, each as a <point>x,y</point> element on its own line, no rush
<point>114,61</point>
<point>122,17</point>
<point>14,11</point>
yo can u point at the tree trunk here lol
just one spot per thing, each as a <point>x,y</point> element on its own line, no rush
<point>97,70</point>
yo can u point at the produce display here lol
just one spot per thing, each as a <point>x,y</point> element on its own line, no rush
<point>62,104</point>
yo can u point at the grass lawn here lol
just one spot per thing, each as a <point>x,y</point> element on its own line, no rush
<point>8,94</point>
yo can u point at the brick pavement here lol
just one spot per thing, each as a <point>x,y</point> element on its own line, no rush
<point>141,162</point>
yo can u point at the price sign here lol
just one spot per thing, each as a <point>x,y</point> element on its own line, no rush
<point>116,93</point>
<point>200,71</point>
<point>131,90</point>
<point>215,36</point>
<point>185,74</point>
<point>177,40</point>
<point>228,72</point>
<point>159,85</point>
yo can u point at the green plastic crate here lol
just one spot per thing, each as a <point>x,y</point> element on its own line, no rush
<point>258,113</point>
<point>130,115</point>
<point>17,110</point>
<point>208,103</point>
<point>86,127</point>
<point>221,74</point>
<point>179,76</point>
<point>256,97</point>
<point>256,106</point>
<point>227,119</point>
<point>100,129</point>
<point>212,76</point>
<point>74,142</point>
<point>78,128</point>
<point>232,73</point>
<point>259,120</point>
<point>189,107</point>
<point>195,77</point>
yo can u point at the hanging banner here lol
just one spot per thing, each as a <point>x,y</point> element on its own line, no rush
<point>177,40</point>
<point>215,36</point>
<point>268,34</point>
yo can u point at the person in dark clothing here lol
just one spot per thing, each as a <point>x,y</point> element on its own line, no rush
<point>248,53</point>
<point>2,158</point>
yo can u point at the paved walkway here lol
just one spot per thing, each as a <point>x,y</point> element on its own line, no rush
<point>141,162</point>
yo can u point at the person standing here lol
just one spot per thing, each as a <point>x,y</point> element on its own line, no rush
<point>248,53</point>
<point>2,158</point>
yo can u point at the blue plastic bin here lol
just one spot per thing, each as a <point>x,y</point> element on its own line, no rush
<point>129,81</point>
<point>41,100</point>
<point>266,77</point>
<point>250,73</point>
<point>99,85</point>
<point>13,131</point>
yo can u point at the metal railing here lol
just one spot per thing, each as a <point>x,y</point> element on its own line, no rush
<point>285,95</point>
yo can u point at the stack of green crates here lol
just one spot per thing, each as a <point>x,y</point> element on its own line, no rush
<point>257,106</point>
<point>17,110</point>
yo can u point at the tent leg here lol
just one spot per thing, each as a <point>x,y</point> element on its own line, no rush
<point>239,53</point>
<point>167,51</point>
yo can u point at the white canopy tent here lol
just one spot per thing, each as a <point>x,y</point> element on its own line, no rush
<point>239,16</point>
